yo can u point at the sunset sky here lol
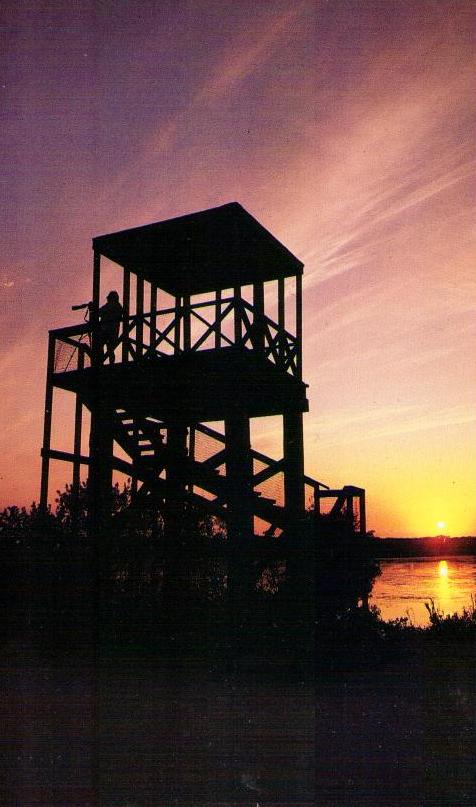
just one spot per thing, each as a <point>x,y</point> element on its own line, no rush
<point>346,127</point>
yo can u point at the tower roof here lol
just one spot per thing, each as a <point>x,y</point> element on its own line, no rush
<point>213,249</point>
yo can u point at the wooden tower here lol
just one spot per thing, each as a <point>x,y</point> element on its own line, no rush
<point>209,336</point>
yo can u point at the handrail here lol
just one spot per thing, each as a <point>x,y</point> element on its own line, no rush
<point>257,333</point>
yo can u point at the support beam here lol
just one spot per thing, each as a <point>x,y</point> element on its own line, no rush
<point>140,316</point>
<point>281,318</point>
<point>96,298</point>
<point>126,302</point>
<point>78,423</point>
<point>45,465</point>
<point>239,472</point>
<point>258,317</point>
<point>153,317</point>
<point>218,319</point>
<point>293,450</point>
<point>237,314</point>
<point>363,519</point>
<point>178,317</point>
<point>186,322</point>
<point>299,324</point>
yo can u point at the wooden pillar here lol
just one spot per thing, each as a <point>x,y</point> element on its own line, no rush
<point>239,473</point>
<point>349,508</point>
<point>186,322</point>
<point>281,308</point>
<point>293,450</point>
<point>237,313</point>
<point>126,301</point>
<point>96,298</point>
<point>191,451</point>
<point>78,423</point>
<point>258,316</point>
<point>139,316</point>
<point>153,318</point>
<point>363,518</point>
<point>100,465</point>
<point>281,318</point>
<point>45,463</point>
<point>96,347</point>
<point>299,323</point>
<point>217,319</point>
<point>178,315</point>
<point>317,501</point>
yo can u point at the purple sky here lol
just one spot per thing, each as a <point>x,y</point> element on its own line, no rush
<point>346,127</point>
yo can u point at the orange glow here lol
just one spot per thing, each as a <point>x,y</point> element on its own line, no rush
<point>443,568</point>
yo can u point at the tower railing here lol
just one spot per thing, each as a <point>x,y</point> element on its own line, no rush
<point>226,322</point>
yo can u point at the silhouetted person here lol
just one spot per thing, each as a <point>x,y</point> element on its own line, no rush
<point>110,318</point>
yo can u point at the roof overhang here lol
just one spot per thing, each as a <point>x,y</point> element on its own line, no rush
<point>210,250</point>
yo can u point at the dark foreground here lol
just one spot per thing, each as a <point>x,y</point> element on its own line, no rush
<point>136,729</point>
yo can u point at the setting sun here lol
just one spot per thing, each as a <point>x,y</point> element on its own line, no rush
<point>441,525</point>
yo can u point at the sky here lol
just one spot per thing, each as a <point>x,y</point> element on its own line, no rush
<point>346,127</point>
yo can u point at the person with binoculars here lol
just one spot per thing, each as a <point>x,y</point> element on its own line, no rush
<point>110,318</point>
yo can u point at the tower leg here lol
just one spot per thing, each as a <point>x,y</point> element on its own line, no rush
<point>173,520</point>
<point>293,450</point>
<point>100,469</point>
<point>45,463</point>
<point>239,471</point>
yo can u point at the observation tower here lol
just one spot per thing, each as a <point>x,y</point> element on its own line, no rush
<point>210,346</point>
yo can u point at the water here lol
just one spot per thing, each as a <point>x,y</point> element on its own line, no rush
<point>406,584</point>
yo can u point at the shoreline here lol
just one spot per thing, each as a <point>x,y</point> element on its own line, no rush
<point>430,547</point>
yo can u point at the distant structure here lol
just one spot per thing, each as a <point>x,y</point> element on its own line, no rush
<point>209,342</point>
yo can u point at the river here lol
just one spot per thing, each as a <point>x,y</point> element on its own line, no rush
<point>405,585</point>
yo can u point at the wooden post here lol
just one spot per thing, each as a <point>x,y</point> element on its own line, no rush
<point>126,301</point>
<point>237,312</point>
<point>349,508</point>
<point>239,472</point>
<point>186,322</point>
<point>293,450</point>
<point>217,319</point>
<point>96,346</point>
<point>317,501</point>
<point>153,318</point>
<point>281,318</point>
<point>100,465</point>
<point>139,317</point>
<point>96,280</point>
<point>299,323</point>
<point>45,462</point>
<point>178,314</point>
<point>258,315</point>
<point>363,519</point>
<point>281,308</point>
<point>78,422</point>
<point>191,451</point>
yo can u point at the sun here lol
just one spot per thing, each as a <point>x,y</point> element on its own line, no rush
<point>441,525</point>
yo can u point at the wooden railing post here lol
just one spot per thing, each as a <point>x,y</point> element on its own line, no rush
<point>218,319</point>
<point>178,316</point>
<point>299,325</point>
<point>126,300</point>
<point>153,317</point>
<point>186,322</point>
<point>139,317</point>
